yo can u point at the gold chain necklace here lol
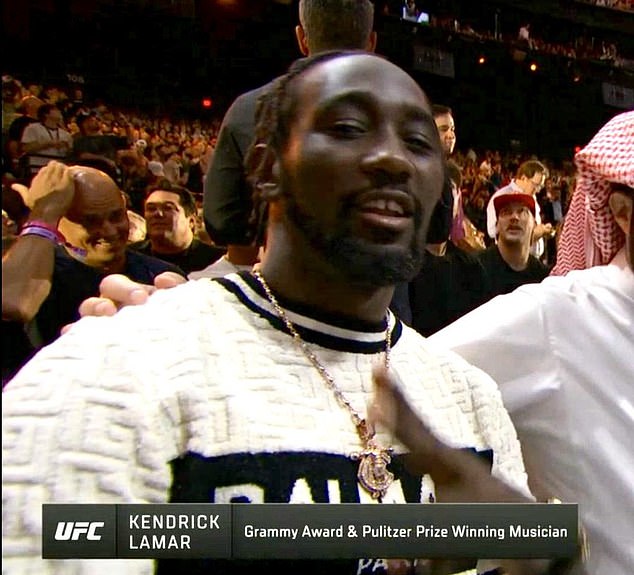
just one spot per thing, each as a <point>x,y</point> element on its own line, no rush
<point>373,474</point>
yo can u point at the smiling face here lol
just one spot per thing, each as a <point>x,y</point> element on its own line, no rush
<point>97,220</point>
<point>361,169</point>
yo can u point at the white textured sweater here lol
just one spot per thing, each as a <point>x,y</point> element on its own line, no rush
<point>206,369</point>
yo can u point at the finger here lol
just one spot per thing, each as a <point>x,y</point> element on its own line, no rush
<point>168,280</point>
<point>392,410</point>
<point>397,415</point>
<point>23,191</point>
<point>66,177</point>
<point>66,328</point>
<point>97,307</point>
<point>122,291</point>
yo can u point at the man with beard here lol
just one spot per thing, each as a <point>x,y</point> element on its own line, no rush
<point>75,235</point>
<point>253,387</point>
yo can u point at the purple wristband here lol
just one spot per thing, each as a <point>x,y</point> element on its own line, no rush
<point>41,232</point>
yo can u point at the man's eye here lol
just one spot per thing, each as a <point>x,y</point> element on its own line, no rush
<point>347,129</point>
<point>418,143</point>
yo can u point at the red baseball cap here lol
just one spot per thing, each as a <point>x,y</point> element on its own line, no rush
<point>505,199</point>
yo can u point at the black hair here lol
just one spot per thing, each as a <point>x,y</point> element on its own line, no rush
<point>44,110</point>
<point>186,198</point>
<point>440,110</point>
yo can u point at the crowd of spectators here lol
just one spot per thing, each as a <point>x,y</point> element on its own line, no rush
<point>135,149</point>
<point>626,5</point>
<point>579,47</point>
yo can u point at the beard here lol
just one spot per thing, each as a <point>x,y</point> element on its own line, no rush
<point>358,259</point>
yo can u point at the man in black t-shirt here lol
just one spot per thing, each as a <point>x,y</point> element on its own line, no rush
<point>170,213</point>
<point>509,264</point>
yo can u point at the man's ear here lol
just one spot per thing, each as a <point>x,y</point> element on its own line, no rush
<point>302,42</point>
<point>622,206</point>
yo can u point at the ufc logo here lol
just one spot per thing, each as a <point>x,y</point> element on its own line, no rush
<point>73,530</point>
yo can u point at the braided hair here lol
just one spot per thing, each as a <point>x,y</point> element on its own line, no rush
<point>275,111</point>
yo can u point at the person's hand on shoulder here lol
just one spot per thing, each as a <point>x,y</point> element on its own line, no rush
<point>117,291</point>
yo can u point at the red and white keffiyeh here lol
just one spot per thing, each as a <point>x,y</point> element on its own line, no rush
<point>590,234</point>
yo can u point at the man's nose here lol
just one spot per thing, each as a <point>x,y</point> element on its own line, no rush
<point>389,158</point>
<point>109,230</point>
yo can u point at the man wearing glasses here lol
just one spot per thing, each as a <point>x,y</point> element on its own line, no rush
<point>529,179</point>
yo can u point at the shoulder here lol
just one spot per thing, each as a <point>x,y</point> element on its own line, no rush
<point>32,130</point>
<point>538,267</point>
<point>590,283</point>
<point>207,249</point>
<point>169,317</point>
<point>66,264</point>
<point>246,103</point>
<point>488,255</point>
<point>142,246</point>
<point>142,267</point>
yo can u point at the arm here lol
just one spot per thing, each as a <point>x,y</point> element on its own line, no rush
<point>459,476</point>
<point>27,268</point>
<point>35,146</point>
<point>30,143</point>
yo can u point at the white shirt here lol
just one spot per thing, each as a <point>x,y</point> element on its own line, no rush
<point>538,247</point>
<point>562,353</point>
<point>207,369</point>
<point>218,269</point>
<point>37,132</point>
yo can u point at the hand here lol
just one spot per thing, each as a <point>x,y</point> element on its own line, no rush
<point>51,193</point>
<point>117,291</point>
<point>542,230</point>
<point>459,476</point>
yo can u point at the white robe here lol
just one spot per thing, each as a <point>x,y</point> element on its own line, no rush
<point>562,353</point>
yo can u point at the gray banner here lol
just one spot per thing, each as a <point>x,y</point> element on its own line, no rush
<point>392,531</point>
<point>318,531</point>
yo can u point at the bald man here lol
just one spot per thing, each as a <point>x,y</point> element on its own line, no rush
<point>76,234</point>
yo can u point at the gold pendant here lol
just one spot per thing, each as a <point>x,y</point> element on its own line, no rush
<point>373,474</point>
